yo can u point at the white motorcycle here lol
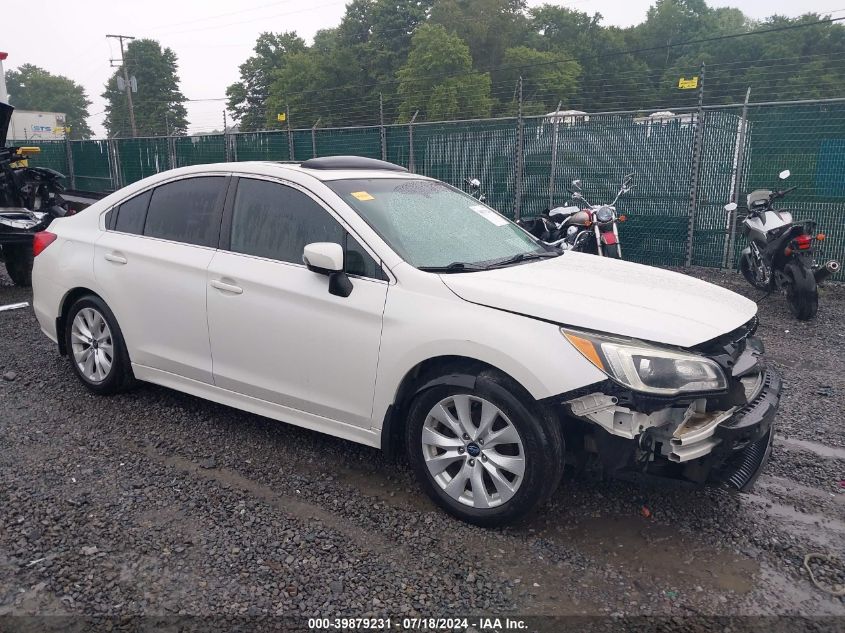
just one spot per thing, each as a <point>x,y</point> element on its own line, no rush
<point>779,255</point>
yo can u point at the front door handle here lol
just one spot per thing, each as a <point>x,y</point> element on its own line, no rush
<point>222,285</point>
<point>115,258</point>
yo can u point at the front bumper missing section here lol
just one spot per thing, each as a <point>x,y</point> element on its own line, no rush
<point>733,445</point>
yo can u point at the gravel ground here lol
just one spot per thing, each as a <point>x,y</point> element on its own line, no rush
<point>157,503</point>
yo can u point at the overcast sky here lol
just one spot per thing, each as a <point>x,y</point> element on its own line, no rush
<point>212,37</point>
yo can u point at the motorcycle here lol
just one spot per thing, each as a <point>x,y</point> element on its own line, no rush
<point>474,186</point>
<point>591,229</point>
<point>779,255</point>
<point>30,198</point>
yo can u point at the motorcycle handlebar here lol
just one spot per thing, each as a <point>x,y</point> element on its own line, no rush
<point>781,194</point>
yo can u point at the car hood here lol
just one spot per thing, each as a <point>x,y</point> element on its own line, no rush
<point>609,295</point>
<point>5,117</point>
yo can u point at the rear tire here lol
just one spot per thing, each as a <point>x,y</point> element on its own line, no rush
<point>490,484</point>
<point>802,293</point>
<point>96,348</point>
<point>19,263</point>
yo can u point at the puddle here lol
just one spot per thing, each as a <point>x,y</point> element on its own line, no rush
<point>817,448</point>
<point>658,555</point>
<point>393,492</point>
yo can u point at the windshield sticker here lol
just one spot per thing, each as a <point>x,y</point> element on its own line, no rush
<point>362,195</point>
<point>490,216</point>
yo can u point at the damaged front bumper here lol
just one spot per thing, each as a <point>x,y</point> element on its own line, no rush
<point>700,441</point>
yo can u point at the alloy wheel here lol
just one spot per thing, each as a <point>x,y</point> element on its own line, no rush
<point>473,451</point>
<point>92,345</point>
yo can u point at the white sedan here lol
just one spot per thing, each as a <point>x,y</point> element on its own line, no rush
<point>351,297</point>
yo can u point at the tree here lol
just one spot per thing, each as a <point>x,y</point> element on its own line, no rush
<point>438,79</point>
<point>487,26</point>
<point>33,88</point>
<point>159,105</point>
<point>610,78</point>
<point>546,77</point>
<point>247,98</point>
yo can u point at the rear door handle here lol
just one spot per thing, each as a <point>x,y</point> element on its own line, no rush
<point>114,257</point>
<point>222,285</point>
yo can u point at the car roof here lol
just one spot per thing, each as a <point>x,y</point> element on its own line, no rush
<point>282,169</point>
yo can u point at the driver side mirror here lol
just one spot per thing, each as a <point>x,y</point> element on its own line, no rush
<point>784,174</point>
<point>576,184</point>
<point>731,206</point>
<point>326,258</point>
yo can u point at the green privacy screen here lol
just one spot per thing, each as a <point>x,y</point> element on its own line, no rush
<point>686,166</point>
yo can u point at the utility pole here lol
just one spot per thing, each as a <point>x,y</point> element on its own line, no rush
<point>126,80</point>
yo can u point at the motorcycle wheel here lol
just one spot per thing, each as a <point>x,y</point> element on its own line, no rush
<point>746,267</point>
<point>19,264</point>
<point>612,251</point>
<point>802,293</point>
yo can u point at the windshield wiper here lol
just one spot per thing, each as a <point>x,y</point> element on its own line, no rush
<point>522,257</point>
<point>454,267</point>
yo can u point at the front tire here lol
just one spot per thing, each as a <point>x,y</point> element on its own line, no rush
<point>802,293</point>
<point>96,348</point>
<point>483,454</point>
<point>612,251</point>
<point>749,271</point>
<point>19,260</point>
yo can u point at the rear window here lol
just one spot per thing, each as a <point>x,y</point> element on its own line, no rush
<point>187,210</point>
<point>131,214</point>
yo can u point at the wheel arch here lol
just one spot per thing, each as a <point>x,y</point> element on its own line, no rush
<point>449,370</point>
<point>64,307</point>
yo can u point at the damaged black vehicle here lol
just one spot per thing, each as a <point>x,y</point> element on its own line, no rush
<point>30,198</point>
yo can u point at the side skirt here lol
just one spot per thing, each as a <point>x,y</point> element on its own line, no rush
<point>259,407</point>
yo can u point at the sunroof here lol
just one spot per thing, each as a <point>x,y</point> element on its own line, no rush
<point>350,162</point>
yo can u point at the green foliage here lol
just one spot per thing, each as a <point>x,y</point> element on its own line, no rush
<point>463,58</point>
<point>33,88</point>
<point>438,81</point>
<point>159,105</point>
<point>247,97</point>
<point>547,77</point>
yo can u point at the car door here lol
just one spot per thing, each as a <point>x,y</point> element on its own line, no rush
<point>151,264</point>
<point>276,332</point>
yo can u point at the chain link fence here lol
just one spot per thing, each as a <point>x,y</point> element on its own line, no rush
<point>688,164</point>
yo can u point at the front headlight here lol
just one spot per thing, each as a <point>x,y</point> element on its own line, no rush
<point>648,368</point>
<point>604,215</point>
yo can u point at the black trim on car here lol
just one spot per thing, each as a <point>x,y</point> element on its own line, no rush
<point>225,238</point>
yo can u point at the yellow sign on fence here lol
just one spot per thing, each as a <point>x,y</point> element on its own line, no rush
<point>688,84</point>
<point>281,117</point>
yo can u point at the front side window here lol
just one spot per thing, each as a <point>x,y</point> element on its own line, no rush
<point>429,224</point>
<point>186,210</point>
<point>274,221</point>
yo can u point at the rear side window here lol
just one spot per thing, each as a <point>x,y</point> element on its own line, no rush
<point>186,210</point>
<point>132,213</point>
<point>274,221</point>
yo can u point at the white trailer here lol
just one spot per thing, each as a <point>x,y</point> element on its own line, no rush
<point>31,125</point>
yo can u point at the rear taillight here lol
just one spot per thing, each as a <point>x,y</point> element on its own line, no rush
<point>802,242</point>
<point>42,240</point>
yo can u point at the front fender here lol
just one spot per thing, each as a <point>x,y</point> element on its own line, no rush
<point>532,352</point>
